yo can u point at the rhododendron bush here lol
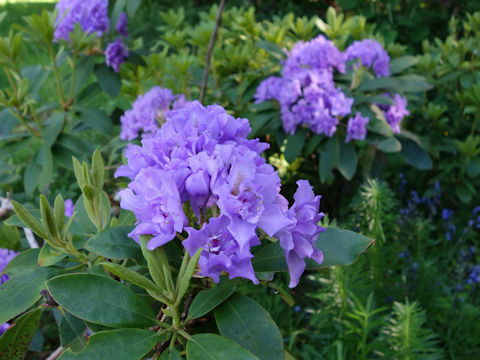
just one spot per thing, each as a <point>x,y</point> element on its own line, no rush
<point>150,187</point>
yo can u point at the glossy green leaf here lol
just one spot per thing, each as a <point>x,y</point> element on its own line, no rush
<point>51,132</point>
<point>347,165</point>
<point>121,344</point>
<point>207,300</point>
<point>15,341</point>
<point>390,145</point>
<point>401,63</point>
<point>114,243</point>
<point>28,219</point>
<point>95,118</point>
<point>170,354</point>
<point>215,347</point>
<point>415,156</point>
<point>109,80</point>
<point>244,321</point>
<point>22,290</point>
<point>295,145</point>
<point>72,331</point>
<point>50,256</point>
<point>100,300</point>
<point>329,157</point>
<point>339,247</point>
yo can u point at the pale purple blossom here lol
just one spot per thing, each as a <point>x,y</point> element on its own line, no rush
<point>221,251</point>
<point>115,54</point>
<point>371,54</point>
<point>395,113</point>
<point>92,15</point>
<point>6,255</point>
<point>122,25</point>
<point>357,127</point>
<point>69,207</point>
<point>299,237</point>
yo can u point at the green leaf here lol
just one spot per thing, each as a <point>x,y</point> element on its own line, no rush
<point>132,6</point>
<point>82,224</point>
<point>48,219</point>
<point>26,260</point>
<point>59,212</point>
<point>50,256</point>
<point>185,281</point>
<point>329,157</point>
<point>100,300</point>
<point>473,167</point>
<point>98,170</point>
<point>214,347</point>
<point>295,144</point>
<point>15,341</point>
<point>121,344</point>
<point>45,160</point>
<point>9,237</point>
<point>109,80</point>
<point>131,276</point>
<point>30,177</point>
<point>339,247</point>
<point>172,354</point>
<point>463,194</point>
<point>71,332</point>
<point>22,290</point>
<point>155,261</point>
<point>207,300</point>
<point>95,118</point>
<point>117,10</point>
<point>114,243</point>
<point>390,145</point>
<point>347,164</point>
<point>29,220</point>
<point>401,63</point>
<point>83,71</point>
<point>51,132</point>
<point>244,321</point>
<point>415,156</point>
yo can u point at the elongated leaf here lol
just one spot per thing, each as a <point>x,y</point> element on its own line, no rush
<point>45,160</point>
<point>415,156</point>
<point>109,80</point>
<point>172,354</point>
<point>244,321</point>
<point>347,165</point>
<point>51,132</point>
<point>295,145</point>
<point>155,262</point>
<point>131,276</point>
<point>214,347</point>
<point>390,145</point>
<point>95,118</point>
<point>192,264</point>
<point>31,176</point>
<point>100,300</point>
<point>22,290</point>
<point>401,63</point>
<point>15,341</point>
<point>114,243</point>
<point>121,344</point>
<point>71,332</point>
<point>50,256</point>
<point>339,247</point>
<point>29,220</point>
<point>207,300</point>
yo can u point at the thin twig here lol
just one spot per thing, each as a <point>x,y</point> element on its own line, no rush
<point>30,238</point>
<point>218,21</point>
<point>6,205</point>
<point>54,355</point>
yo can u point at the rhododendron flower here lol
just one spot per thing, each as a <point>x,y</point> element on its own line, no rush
<point>221,251</point>
<point>69,207</point>
<point>397,112</point>
<point>115,54</point>
<point>357,127</point>
<point>92,15</point>
<point>306,91</point>
<point>122,25</point>
<point>201,161</point>
<point>298,239</point>
<point>6,256</point>
<point>371,54</point>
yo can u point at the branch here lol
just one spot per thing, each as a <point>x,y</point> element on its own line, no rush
<point>54,355</point>
<point>6,205</point>
<point>218,21</point>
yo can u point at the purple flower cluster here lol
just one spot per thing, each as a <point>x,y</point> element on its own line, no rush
<point>148,112</point>
<point>6,256</point>
<point>122,25</point>
<point>306,91</point>
<point>357,127</point>
<point>69,207</point>
<point>115,54</point>
<point>371,54</point>
<point>92,15</point>
<point>200,163</point>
